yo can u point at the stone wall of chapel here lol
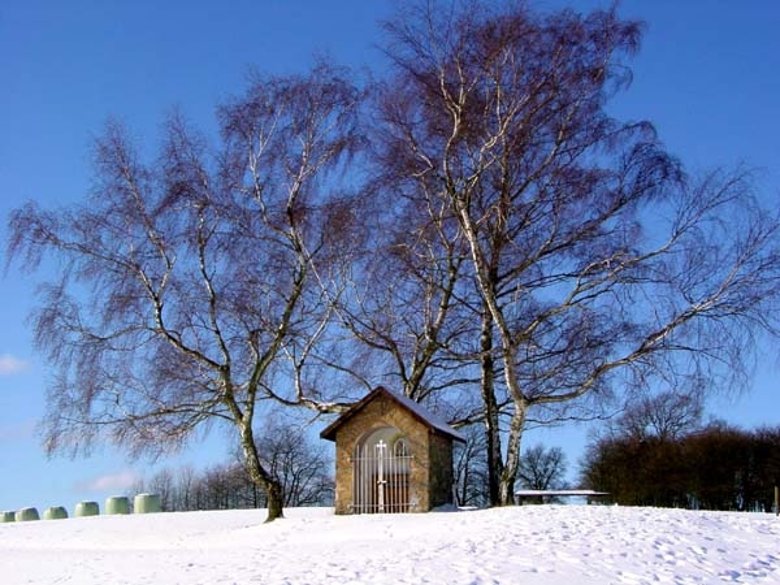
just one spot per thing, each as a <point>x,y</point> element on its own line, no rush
<point>441,476</point>
<point>385,412</point>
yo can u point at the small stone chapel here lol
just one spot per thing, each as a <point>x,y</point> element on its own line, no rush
<point>392,456</point>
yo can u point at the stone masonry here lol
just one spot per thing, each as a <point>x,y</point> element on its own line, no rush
<point>431,474</point>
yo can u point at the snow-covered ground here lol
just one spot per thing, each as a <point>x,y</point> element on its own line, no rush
<point>551,545</point>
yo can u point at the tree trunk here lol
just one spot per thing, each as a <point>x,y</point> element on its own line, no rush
<point>495,464</point>
<point>509,474</point>
<point>275,501</point>
<point>260,476</point>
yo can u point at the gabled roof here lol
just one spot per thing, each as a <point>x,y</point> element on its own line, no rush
<point>414,408</point>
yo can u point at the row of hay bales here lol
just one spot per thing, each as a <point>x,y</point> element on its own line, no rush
<point>142,504</point>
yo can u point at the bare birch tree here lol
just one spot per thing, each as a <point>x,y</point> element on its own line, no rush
<point>187,290</point>
<point>598,261</point>
<point>402,304</point>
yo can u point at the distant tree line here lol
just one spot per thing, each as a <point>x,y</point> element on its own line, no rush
<point>300,465</point>
<point>541,468</point>
<point>712,467</point>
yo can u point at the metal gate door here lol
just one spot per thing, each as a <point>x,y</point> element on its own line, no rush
<point>381,477</point>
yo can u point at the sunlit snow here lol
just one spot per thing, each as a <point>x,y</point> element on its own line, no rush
<point>551,545</point>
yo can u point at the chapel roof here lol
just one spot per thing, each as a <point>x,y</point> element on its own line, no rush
<point>415,409</point>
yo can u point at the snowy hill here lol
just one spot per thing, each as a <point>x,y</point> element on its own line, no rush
<point>551,545</point>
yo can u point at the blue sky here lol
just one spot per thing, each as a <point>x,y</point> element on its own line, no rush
<point>708,76</point>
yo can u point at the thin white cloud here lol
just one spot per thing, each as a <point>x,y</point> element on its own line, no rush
<point>19,431</point>
<point>112,481</point>
<point>11,365</point>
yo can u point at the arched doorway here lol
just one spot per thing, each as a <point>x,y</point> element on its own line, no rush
<point>381,467</point>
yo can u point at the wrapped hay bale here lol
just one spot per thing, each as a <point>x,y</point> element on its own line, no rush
<point>86,509</point>
<point>147,504</point>
<point>55,513</point>
<point>27,514</point>
<point>117,505</point>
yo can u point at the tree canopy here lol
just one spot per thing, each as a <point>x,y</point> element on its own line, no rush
<point>474,226</point>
